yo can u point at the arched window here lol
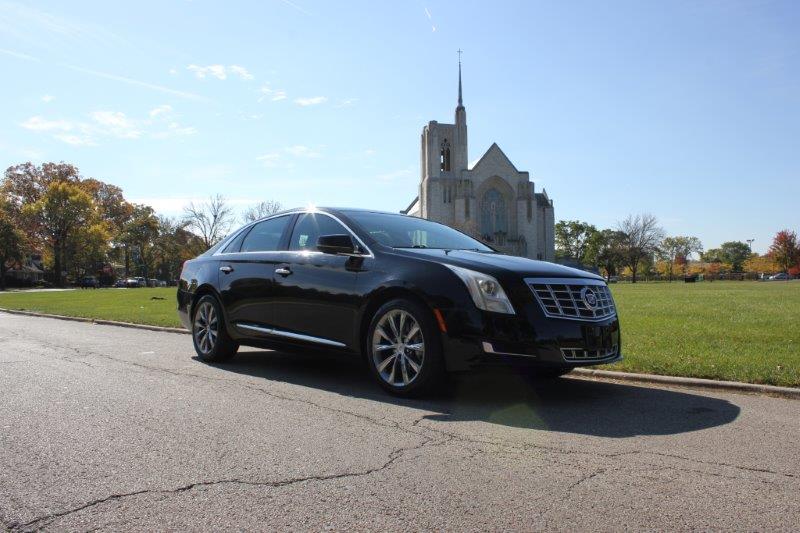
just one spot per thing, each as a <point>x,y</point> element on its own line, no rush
<point>444,157</point>
<point>494,216</point>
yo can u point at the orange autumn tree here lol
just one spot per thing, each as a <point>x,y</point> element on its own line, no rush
<point>785,250</point>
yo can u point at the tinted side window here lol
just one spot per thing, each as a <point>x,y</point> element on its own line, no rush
<point>308,229</point>
<point>236,243</point>
<point>265,236</point>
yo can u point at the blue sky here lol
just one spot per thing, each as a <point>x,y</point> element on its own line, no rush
<point>688,110</point>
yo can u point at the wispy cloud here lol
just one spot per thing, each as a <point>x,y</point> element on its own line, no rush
<point>430,19</point>
<point>312,100</point>
<point>47,98</point>
<point>281,158</point>
<point>397,174</point>
<point>138,83</point>
<point>299,150</point>
<point>268,92</point>
<point>295,6</point>
<point>221,72</point>
<point>160,110</point>
<point>347,102</point>
<point>161,124</point>
<point>18,55</point>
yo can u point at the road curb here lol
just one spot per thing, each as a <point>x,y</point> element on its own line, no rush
<point>96,321</point>
<point>694,383</point>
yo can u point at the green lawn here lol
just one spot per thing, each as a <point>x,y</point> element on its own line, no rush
<point>140,306</point>
<point>738,331</point>
<point>732,330</point>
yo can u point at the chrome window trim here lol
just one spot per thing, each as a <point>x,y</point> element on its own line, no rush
<point>290,335</point>
<point>568,281</point>
<point>228,239</point>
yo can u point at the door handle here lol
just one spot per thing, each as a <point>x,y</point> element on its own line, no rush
<point>283,271</point>
<point>226,269</point>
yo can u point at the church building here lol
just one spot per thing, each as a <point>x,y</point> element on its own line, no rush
<point>491,199</point>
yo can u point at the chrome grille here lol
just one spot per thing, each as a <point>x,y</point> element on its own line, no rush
<point>564,298</point>
<point>580,354</point>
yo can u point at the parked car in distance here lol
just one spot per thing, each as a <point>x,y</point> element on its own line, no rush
<point>119,283</point>
<point>89,282</point>
<point>781,276</point>
<point>413,297</point>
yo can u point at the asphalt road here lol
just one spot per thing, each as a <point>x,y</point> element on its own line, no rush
<point>111,428</point>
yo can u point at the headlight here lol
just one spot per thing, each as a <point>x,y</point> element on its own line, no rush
<point>486,291</point>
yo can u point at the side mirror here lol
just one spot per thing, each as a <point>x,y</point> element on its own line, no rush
<point>336,244</point>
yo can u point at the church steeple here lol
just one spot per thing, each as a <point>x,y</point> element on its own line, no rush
<point>460,99</point>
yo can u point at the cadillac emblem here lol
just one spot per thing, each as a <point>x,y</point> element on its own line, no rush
<point>589,297</point>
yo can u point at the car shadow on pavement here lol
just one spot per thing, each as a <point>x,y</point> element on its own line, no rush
<point>508,397</point>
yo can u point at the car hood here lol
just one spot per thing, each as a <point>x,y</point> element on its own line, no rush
<point>492,262</point>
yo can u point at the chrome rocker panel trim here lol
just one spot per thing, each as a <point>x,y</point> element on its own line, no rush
<point>290,335</point>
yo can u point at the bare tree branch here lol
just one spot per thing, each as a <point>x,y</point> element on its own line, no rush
<point>211,220</point>
<point>642,238</point>
<point>261,210</point>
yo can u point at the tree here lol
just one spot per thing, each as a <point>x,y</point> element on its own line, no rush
<point>608,251</point>
<point>261,210</point>
<point>642,235</point>
<point>210,220</point>
<point>11,242</point>
<point>573,239</point>
<point>784,249</point>
<point>174,246</point>
<point>140,235</point>
<point>63,209</point>
<point>676,250</point>
<point>761,264</point>
<point>735,253</point>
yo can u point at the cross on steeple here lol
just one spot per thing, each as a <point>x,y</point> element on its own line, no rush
<point>460,99</point>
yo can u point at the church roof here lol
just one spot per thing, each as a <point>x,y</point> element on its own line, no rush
<point>494,149</point>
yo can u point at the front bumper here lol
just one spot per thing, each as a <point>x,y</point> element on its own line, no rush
<point>528,338</point>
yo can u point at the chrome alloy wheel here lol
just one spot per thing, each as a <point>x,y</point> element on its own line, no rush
<point>398,348</point>
<point>206,327</point>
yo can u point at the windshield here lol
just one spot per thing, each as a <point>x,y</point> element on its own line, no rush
<point>399,231</point>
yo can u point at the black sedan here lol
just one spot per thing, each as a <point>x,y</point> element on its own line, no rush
<point>413,297</point>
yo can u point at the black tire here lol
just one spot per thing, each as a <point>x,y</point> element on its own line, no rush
<point>412,371</point>
<point>209,334</point>
<point>550,372</point>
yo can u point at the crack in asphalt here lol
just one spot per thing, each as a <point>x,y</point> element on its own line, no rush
<point>48,519</point>
<point>416,428</point>
<point>388,423</point>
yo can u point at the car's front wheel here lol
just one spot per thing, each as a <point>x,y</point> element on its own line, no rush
<point>211,340</point>
<point>403,348</point>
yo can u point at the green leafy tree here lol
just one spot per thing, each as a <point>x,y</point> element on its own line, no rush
<point>573,240</point>
<point>607,248</point>
<point>61,211</point>
<point>140,233</point>
<point>735,253</point>
<point>677,250</point>
<point>11,242</point>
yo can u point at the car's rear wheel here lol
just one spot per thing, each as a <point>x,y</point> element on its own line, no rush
<point>404,348</point>
<point>211,340</point>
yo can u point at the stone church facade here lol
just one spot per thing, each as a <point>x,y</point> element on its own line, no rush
<point>491,200</point>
